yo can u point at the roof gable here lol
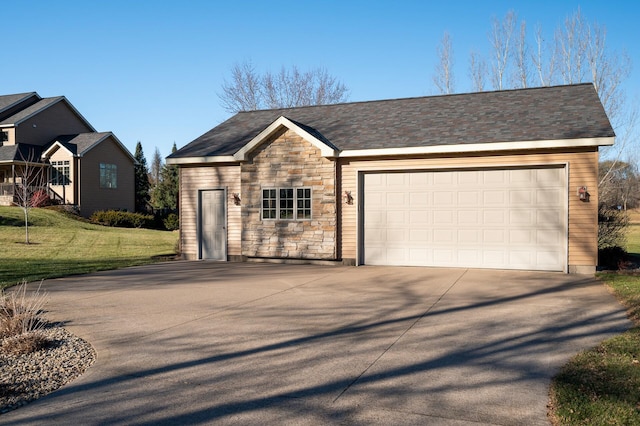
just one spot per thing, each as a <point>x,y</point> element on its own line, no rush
<point>80,144</point>
<point>38,107</point>
<point>8,102</point>
<point>326,149</point>
<point>537,117</point>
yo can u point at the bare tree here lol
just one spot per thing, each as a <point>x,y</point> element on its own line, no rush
<point>242,93</point>
<point>501,42</point>
<point>521,58</point>
<point>31,190</point>
<point>544,59</point>
<point>285,89</point>
<point>572,47</point>
<point>443,77</point>
<point>477,71</point>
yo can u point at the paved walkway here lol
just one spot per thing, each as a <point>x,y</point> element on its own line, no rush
<point>224,343</point>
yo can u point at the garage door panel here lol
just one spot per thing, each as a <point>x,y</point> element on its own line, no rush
<point>443,198</point>
<point>494,198</point>
<point>469,217</point>
<point>494,236</point>
<point>521,217</point>
<point>522,198</point>
<point>494,217</point>
<point>443,217</point>
<point>443,236</point>
<point>512,218</point>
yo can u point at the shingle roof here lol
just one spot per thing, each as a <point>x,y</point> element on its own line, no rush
<point>549,113</point>
<point>79,144</point>
<point>29,111</point>
<point>20,152</point>
<point>7,101</point>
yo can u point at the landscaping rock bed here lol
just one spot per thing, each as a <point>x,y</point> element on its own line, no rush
<point>24,378</point>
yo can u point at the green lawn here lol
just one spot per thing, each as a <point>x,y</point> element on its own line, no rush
<point>62,246</point>
<point>602,386</point>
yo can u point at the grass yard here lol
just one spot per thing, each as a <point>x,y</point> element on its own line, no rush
<point>602,386</point>
<point>62,246</point>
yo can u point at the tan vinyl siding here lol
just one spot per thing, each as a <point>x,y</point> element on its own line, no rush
<point>54,121</point>
<point>92,197</point>
<point>582,168</point>
<point>65,191</point>
<point>196,178</point>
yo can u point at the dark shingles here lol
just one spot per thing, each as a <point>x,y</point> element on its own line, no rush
<point>550,113</point>
<point>26,112</point>
<point>81,143</point>
<point>7,101</point>
<point>20,152</point>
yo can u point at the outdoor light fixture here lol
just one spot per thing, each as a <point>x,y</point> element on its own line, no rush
<point>236,198</point>
<point>348,198</point>
<point>582,193</point>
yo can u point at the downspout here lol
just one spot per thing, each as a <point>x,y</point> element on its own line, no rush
<point>77,185</point>
<point>13,178</point>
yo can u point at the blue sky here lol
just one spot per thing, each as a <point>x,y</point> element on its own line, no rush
<point>150,71</point>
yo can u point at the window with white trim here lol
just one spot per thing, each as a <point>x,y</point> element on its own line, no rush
<point>60,173</point>
<point>108,176</point>
<point>286,203</point>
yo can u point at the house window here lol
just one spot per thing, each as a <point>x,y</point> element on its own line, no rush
<point>4,137</point>
<point>286,203</point>
<point>60,173</point>
<point>108,176</point>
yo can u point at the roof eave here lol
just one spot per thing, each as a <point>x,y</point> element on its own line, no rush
<point>480,147</point>
<point>201,160</point>
<point>422,150</point>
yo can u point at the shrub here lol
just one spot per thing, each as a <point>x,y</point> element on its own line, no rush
<point>40,198</point>
<point>20,320</point>
<point>24,343</point>
<point>612,227</point>
<point>171,222</point>
<point>121,219</point>
<point>612,258</point>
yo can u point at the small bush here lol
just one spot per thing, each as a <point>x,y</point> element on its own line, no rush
<point>171,222</point>
<point>24,343</point>
<point>612,227</point>
<point>40,199</point>
<point>612,257</point>
<point>121,219</point>
<point>20,320</point>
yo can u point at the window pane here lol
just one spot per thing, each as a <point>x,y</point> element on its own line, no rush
<point>269,203</point>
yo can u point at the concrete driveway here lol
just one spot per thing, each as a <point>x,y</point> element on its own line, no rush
<point>227,343</point>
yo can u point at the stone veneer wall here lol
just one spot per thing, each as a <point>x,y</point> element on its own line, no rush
<point>287,160</point>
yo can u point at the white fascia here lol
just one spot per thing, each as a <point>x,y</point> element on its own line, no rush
<point>53,148</point>
<point>480,147</point>
<point>280,122</point>
<point>202,160</point>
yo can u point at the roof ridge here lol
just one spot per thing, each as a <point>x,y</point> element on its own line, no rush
<point>441,95</point>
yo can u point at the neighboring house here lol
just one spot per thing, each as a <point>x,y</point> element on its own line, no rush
<point>90,170</point>
<point>504,180</point>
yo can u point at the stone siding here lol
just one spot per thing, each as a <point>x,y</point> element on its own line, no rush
<point>287,160</point>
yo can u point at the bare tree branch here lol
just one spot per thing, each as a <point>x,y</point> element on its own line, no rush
<point>32,186</point>
<point>477,71</point>
<point>443,77</point>
<point>285,89</point>
<point>521,58</point>
<point>242,93</point>
<point>500,37</point>
<point>544,59</point>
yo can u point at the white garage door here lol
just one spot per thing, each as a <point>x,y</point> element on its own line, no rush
<point>506,219</point>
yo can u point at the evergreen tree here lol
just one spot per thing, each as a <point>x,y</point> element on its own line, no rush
<point>166,191</point>
<point>141,180</point>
